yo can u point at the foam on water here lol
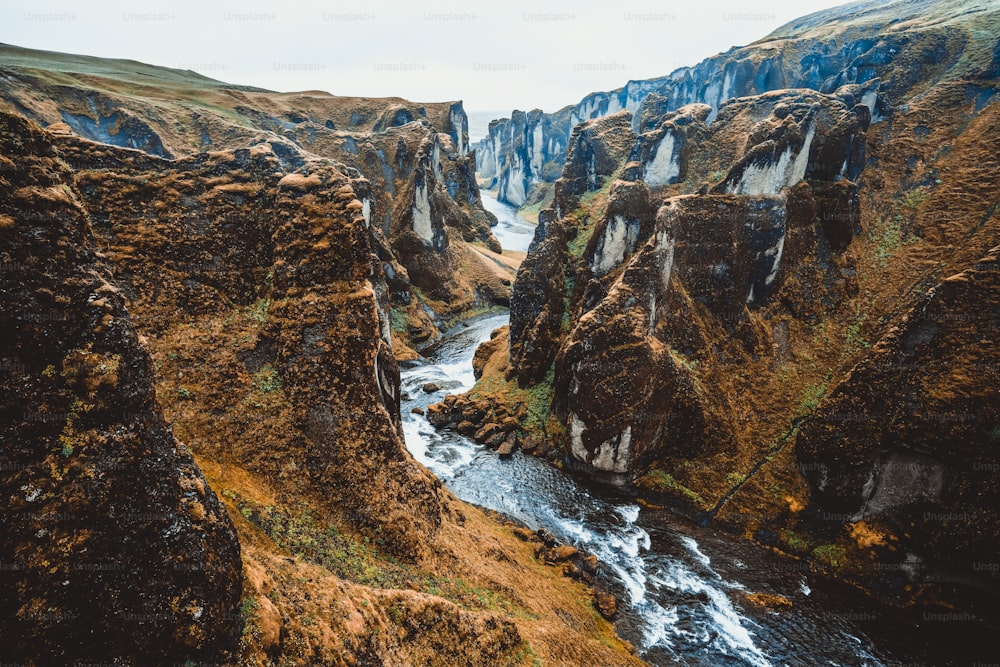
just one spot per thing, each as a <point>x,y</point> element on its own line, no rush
<point>676,600</point>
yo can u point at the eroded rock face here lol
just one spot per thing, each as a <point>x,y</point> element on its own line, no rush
<point>233,230</point>
<point>523,150</point>
<point>623,344</point>
<point>537,304</point>
<point>619,390</point>
<point>922,466</point>
<point>421,199</point>
<point>114,548</point>
<point>822,52</point>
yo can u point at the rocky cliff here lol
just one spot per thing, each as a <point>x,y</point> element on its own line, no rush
<point>861,43</point>
<point>253,289</point>
<point>423,198</point>
<point>523,150</point>
<point>759,305</point>
<point>114,548</point>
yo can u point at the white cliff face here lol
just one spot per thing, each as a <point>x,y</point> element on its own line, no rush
<point>537,144</point>
<point>665,243</point>
<point>665,167</point>
<point>366,211</point>
<point>422,225</point>
<point>436,162</point>
<point>775,253</point>
<point>665,260</point>
<point>869,100</point>
<point>611,456</point>
<point>512,188</point>
<point>769,179</point>
<point>487,160</point>
<point>576,429</point>
<point>460,122</point>
<point>619,240</point>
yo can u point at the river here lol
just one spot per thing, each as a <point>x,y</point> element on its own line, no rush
<point>513,231</point>
<point>681,588</point>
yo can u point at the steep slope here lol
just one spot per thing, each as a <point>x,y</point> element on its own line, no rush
<point>707,276</point>
<point>892,48</point>
<point>423,197</point>
<point>254,278</point>
<point>114,548</point>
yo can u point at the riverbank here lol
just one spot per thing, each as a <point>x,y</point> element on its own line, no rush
<point>687,594</point>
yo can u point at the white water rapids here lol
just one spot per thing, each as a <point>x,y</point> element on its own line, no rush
<point>680,600</point>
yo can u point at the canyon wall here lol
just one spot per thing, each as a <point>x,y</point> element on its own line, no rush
<point>249,302</point>
<point>422,198</point>
<point>822,51</point>
<point>752,298</point>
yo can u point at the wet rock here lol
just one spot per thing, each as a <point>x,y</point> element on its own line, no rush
<point>563,553</point>
<point>466,428</point>
<point>525,534</point>
<point>771,601</point>
<point>486,350</point>
<point>417,410</point>
<point>496,441</point>
<point>546,537</point>
<point>508,446</point>
<point>431,387</point>
<point>487,432</point>
<point>509,424</point>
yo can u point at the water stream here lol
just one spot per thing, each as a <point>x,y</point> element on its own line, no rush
<point>513,231</point>
<point>681,588</point>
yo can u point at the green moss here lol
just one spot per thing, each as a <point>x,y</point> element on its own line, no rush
<point>398,320</point>
<point>248,612</point>
<point>579,244</point>
<point>267,380</point>
<point>664,482</point>
<point>537,400</point>
<point>811,397</point>
<point>795,541</point>
<point>912,199</point>
<point>832,554</point>
<point>258,311</point>
<point>344,555</point>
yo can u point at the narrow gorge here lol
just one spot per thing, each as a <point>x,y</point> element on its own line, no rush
<point>698,371</point>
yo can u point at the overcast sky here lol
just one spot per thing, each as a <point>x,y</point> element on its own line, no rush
<point>513,54</point>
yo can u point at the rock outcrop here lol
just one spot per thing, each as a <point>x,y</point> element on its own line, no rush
<point>701,303</point>
<point>230,230</point>
<point>918,472</point>
<point>823,52</point>
<point>114,549</point>
<point>422,197</point>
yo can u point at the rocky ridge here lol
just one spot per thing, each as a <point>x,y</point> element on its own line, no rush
<point>422,199</point>
<point>254,277</point>
<point>866,43</point>
<point>715,286</point>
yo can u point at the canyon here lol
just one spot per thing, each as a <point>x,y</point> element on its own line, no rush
<point>740,295</point>
<point>246,420</point>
